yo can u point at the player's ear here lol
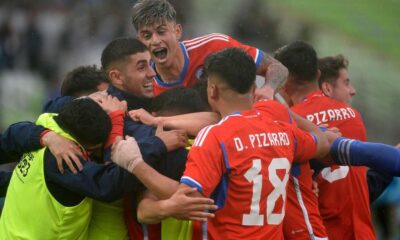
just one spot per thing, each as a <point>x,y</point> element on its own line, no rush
<point>178,31</point>
<point>318,74</point>
<point>213,91</point>
<point>327,89</point>
<point>115,76</point>
<point>253,89</point>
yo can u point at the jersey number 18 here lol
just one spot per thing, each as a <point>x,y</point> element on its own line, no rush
<point>253,174</point>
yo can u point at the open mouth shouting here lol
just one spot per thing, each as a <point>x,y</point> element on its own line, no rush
<point>160,54</point>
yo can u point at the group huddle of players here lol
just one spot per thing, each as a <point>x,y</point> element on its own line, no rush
<point>172,139</point>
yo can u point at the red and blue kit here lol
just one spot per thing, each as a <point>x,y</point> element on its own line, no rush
<point>302,220</point>
<point>343,191</point>
<point>195,52</point>
<point>244,162</point>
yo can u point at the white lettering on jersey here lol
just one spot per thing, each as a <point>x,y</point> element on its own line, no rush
<point>326,116</point>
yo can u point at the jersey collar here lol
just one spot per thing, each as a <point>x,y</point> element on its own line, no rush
<point>160,82</point>
<point>316,93</point>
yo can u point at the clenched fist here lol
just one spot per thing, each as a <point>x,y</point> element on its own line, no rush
<point>126,153</point>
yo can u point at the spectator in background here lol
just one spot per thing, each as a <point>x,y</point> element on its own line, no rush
<point>33,40</point>
<point>7,46</point>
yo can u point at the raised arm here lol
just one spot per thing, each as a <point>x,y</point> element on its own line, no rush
<point>275,75</point>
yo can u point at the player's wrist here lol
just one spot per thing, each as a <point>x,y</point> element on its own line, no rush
<point>135,165</point>
<point>165,209</point>
<point>44,137</point>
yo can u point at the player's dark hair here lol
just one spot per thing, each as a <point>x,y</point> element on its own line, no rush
<point>84,120</point>
<point>178,101</point>
<point>120,49</point>
<point>82,81</point>
<point>201,87</point>
<point>234,66</point>
<point>301,60</point>
<point>147,12</point>
<point>330,67</point>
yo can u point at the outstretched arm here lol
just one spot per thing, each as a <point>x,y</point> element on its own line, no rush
<point>126,153</point>
<point>181,206</point>
<point>379,156</point>
<point>192,123</point>
<point>26,136</point>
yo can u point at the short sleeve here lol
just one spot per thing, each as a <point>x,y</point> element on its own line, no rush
<point>204,166</point>
<point>305,145</point>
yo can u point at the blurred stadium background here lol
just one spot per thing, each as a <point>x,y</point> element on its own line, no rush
<point>42,40</point>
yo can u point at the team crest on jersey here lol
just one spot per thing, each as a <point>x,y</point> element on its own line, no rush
<point>199,73</point>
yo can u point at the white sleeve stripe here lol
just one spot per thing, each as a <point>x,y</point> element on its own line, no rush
<point>211,126</point>
<point>191,180</point>
<point>199,136</point>
<point>209,40</point>
<point>205,135</point>
<point>348,151</point>
<point>257,53</point>
<point>202,38</point>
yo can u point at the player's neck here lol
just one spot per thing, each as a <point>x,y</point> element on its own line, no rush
<point>297,91</point>
<point>171,72</point>
<point>230,106</point>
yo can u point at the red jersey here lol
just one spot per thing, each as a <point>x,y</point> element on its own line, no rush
<point>195,52</point>
<point>244,162</point>
<point>343,191</point>
<point>136,230</point>
<point>302,219</point>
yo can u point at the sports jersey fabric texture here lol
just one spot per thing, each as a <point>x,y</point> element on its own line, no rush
<point>195,51</point>
<point>343,191</point>
<point>228,162</point>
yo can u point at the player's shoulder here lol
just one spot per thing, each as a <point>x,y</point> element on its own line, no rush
<point>316,103</point>
<point>273,109</point>
<point>206,40</point>
<point>218,130</point>
<point>269,105</point>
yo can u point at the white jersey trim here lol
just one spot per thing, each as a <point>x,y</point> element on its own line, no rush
<point>206,41</point>
<point>198,142</point>
<point>202,38</point>
<point>303,208</point>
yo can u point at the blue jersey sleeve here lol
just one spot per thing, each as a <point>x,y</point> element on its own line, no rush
<point>19,138</point>
<point>104,182</point>
<point>55,105</point>
<point>378,156</point>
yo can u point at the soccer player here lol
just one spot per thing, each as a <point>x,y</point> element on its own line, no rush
<point>335,83</point>
<point>343,191</point>
<point>62,201</point>
<point>253,147</point>
<point>219,168</point>
<point>84,80</point>
<point>126,62</point>
<point>334,80</point>
<point>81,81</point>
<point>181,63</point>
